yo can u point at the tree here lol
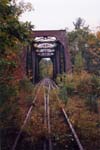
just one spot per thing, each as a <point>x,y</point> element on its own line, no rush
<point>82,40</point>
<point>79,23</point>
<point>13,36</point>
<point>79,62</point>
<point>46,68</point>
<point>78,38</point>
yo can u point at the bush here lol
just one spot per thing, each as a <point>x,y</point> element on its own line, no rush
<point>63,94</point>
<point>89,88</point>
<point>84,84</point>
<point>89,85</point>
<point>91,102</point>
<point>6,92</point>
<point>66,86</point>
<point>26,85</point>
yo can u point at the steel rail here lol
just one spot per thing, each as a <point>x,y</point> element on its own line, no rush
<point>45,120</point>
<point>72,130</point>
<point>25,120</point>
<point>47,116</point>
<point>48,112</point>
<point>70,125</point>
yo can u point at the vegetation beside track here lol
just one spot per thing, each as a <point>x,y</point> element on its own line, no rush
<point>86,122</point>
<point>82,103</point>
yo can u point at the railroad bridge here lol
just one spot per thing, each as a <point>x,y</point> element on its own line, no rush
<point>48,44</point>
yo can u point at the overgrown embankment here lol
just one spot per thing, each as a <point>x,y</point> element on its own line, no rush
<point>80,93</point>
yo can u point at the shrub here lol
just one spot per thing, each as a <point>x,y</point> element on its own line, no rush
<point>89,88</point>
<point>26,85</point>
<point>63,94</point>
<point>6,92</point>
<point>66,86</point>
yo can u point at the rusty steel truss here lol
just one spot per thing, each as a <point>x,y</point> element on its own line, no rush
<point>48,44</point>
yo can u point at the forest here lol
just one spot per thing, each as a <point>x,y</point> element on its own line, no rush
<point>79,91</point>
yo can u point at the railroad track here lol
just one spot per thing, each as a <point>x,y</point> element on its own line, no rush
<point>60,134</point>
<point>47,142</point>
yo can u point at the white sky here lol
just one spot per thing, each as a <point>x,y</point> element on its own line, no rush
<point>60,14</point>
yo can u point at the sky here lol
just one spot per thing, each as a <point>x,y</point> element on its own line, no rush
<point>60,14</point>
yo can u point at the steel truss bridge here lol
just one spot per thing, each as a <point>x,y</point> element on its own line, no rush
<point>48,44</point>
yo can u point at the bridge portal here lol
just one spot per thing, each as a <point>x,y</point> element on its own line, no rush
<point>48,44</point>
